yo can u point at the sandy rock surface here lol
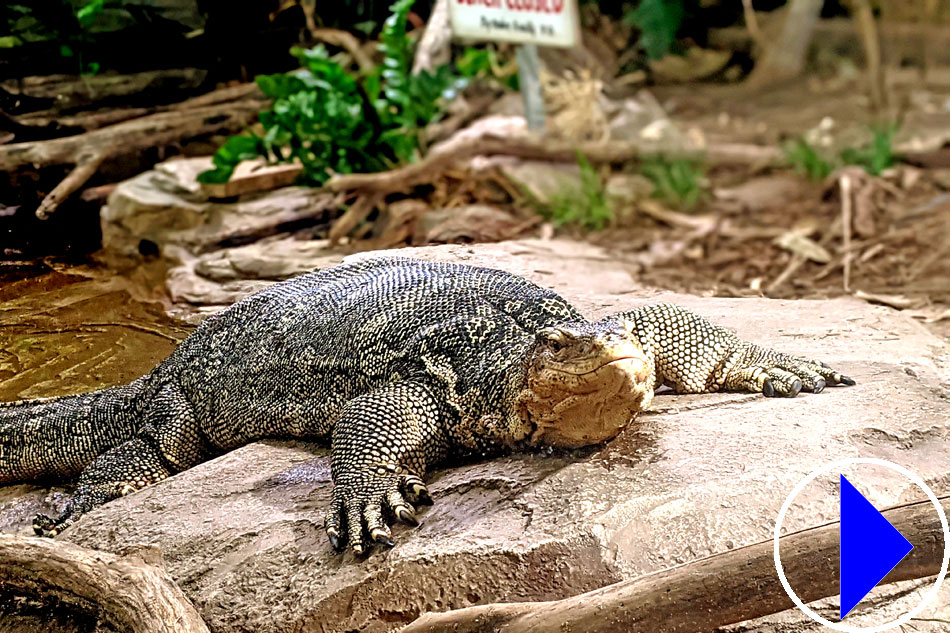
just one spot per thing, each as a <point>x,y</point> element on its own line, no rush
<point>695,476</point>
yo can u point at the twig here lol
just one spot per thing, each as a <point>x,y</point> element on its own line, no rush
<point>344,40</point>
<point>752,24</point>
<point>98,194</point>
<point>357,212</point>
<point>794,264</point>
<point>845,184</point>
<point>84,170</point>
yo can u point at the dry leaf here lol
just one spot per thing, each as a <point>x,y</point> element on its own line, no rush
<point>808,248</point>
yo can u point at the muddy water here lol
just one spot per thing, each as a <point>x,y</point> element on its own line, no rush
<point>69,328</point>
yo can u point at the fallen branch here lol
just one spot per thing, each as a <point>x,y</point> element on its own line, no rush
<point>356,213</point>
<point>89,121</point>
<point>731,587</point>
<point>87,151</point>
<point>83,171</point>
<point>130,136</point>
<point>126,593</point>
<point>536,148</point>
<point>342,39</point>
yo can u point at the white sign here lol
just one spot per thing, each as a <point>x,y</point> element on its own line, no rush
<point>541,22</point>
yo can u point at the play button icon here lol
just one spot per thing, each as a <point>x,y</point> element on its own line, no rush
<point>870,547</point>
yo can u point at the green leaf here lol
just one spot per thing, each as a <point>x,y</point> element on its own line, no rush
<point>658,22</point>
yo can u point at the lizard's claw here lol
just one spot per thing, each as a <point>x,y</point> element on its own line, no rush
<point>775,374</point>
<point>364,503</point>
<point>45,526</point>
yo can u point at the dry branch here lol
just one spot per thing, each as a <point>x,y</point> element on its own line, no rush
<point>126,593</point>
<point>130,136</point>
<point>230,110</point>
<point>357,212</point>
<point>345,40</point>
<point>706,594</point>
<point>434,46</point>
<point>536,148</point>
<point>84,170</point>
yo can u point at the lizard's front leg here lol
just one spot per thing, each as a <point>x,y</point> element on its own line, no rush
<point>695,356</point>
<point>382,445</point>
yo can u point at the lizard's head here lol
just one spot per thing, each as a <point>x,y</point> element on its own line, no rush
<point>584,383</point>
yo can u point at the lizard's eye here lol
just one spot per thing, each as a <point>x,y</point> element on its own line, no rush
<point>556,340</point>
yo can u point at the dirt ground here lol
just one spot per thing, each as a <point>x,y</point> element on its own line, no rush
<point>899,247</point>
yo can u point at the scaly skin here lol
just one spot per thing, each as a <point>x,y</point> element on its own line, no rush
<point>400,364</point>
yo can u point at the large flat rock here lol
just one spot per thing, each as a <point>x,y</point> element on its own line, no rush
<point>695,476</point>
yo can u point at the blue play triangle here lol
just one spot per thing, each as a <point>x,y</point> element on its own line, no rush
<point>870,547</point>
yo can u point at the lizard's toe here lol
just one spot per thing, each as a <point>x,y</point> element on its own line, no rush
<point>332,524</point>
<point>401,509</point>
<point>45,526</point>
<point>415,491</point>
<point>784,383</point>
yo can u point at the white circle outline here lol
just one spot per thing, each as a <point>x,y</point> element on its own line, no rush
<point>838,465</point>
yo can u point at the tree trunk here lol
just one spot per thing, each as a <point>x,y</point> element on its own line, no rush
<point>785,58</point>
<point>128,594</point>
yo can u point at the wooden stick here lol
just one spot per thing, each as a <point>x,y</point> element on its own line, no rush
<point>845,184</point>
<point>702,595</point>
<point>128,594</point>
<point>536,148</point>
<point>357,212</point>
<point>84,170</point>
<point>343,39</point>
<point>796,262</point>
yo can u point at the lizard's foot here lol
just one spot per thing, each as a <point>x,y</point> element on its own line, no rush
<point>775,374</point>
<point>85,499</point>
<point>366,501</point>
<point>47,526</point>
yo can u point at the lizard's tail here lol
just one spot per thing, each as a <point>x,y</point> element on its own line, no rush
<point>56,438</point>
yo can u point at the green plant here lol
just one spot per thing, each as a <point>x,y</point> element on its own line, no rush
<point>676,181</point>
<point>658,22</point>
<point>877,155</point>
<point>874,157</point>
<point>807,160</point>
<point>333,122</point>
<point>483,63</point>
<point>70,23</point>
<point>585,206</point>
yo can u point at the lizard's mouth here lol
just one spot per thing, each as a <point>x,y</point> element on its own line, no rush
<point>617,362</point>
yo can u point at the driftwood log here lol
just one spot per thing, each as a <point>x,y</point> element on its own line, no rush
<point>229,109</point>
<point>712,592</point>
<point>538,148</point>
<point>126,593</point>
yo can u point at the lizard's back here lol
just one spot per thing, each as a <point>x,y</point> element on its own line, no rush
<point>285,361</point>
